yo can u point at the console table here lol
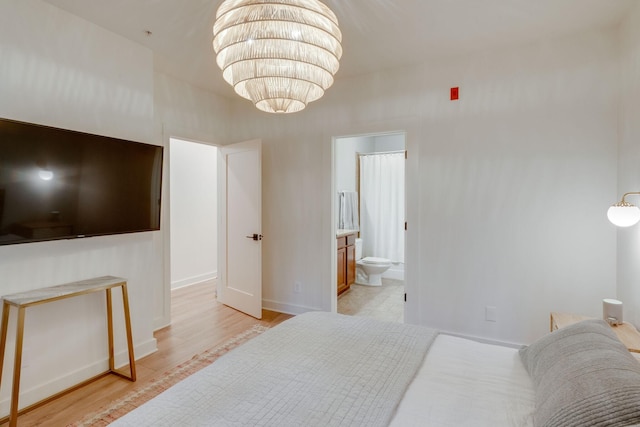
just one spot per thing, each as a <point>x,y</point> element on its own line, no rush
<point>44,295</point>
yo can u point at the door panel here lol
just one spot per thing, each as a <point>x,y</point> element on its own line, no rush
<point>240,218</point>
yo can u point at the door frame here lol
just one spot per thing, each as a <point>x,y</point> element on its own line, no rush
<point>162,297</point>
<point>334,219</point>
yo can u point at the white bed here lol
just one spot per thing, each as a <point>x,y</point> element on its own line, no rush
<point>323,369</point>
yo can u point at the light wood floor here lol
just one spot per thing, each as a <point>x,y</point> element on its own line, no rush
<point>199,322</point>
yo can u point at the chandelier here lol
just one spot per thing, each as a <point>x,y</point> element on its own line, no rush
<point>280,54</point>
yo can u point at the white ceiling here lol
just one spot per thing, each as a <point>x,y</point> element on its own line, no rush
<point>377,34</point>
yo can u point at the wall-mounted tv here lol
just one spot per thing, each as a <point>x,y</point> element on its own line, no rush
<point>62,184</point>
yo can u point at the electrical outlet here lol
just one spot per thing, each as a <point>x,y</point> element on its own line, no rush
<point>490,314</point>
<point>297,287</point>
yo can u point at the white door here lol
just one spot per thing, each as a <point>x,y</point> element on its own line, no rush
<point>240,227</point>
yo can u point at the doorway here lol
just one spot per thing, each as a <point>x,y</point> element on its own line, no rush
<point>193,213</point>
<point>370,169</point>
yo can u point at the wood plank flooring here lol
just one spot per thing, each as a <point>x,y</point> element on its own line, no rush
<point>199,322</point>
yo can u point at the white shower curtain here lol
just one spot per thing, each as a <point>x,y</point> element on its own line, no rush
<point>382,205</point>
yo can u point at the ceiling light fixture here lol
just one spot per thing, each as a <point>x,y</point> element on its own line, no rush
<point>623,213</point>
<point>280,54</point>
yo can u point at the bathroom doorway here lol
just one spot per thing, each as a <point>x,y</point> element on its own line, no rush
<point>370,204</point>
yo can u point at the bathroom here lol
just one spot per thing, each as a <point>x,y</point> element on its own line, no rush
<point>370,203</point>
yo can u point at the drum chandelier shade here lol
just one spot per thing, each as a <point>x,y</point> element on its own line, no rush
<point>280,54</point>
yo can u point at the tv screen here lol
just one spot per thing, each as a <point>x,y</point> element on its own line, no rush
<point>62,184</point>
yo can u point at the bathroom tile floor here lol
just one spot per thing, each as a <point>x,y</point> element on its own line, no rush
<point>384,302</point>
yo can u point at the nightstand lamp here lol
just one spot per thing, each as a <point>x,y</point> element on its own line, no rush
<point>612,311</point>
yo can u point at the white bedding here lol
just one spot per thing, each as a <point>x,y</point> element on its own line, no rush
<point>467,383</point>
<point>316,369</point>
<point>324,369</point>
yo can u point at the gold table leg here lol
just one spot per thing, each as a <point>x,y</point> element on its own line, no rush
<point>110,329</point>
<point>127,322</point>
<point>3,335</point>
<point>3,343</point>
<point>17,365</point>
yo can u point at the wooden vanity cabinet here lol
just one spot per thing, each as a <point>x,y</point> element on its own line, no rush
<point>346,262</point>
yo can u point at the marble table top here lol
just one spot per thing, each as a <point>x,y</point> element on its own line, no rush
<point>38,296</point>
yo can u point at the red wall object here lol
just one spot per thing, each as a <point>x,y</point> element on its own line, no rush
<point>454,93</point>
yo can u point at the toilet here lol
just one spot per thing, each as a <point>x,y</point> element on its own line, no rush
<point>369,270</point>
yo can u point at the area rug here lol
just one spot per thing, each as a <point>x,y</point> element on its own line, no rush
<point>109,413</point>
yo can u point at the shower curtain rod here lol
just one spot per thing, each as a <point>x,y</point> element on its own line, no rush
<point>381,152</point>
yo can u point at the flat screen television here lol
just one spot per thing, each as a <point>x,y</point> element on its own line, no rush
<point>63,184</point>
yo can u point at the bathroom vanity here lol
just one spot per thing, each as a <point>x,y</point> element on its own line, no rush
<point>346,259</point>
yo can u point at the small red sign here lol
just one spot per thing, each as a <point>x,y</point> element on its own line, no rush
<point>454,93</point>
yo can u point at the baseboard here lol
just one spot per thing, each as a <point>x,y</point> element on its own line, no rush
<point>141,350</point>
<point>285,308</point>
<point>161,322</point>
<point>483,340</point>
<point>395,272</point>
<point>65,381</point>
<point>194,280</point>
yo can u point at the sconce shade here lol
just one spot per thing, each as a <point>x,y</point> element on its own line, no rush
<point>45,174</point>
<point>280,54</point>
<point>623,214</point>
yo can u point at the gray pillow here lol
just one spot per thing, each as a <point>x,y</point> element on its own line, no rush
<point>583,376</point>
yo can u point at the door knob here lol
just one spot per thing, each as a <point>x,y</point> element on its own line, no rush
<point>255,236</point>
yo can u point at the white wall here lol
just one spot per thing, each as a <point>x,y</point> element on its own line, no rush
<point>194,235</point>
<point>345,161</point>
<point>62,71</point>
<point>510,182</point>
<point>508,185</point>
<point>391,142</point>
<point>629,166</point>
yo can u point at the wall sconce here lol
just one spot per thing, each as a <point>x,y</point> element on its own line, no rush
<point>45,174</point>
<point>623,213</point>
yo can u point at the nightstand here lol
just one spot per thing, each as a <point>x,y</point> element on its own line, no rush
<point>627,333</point>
